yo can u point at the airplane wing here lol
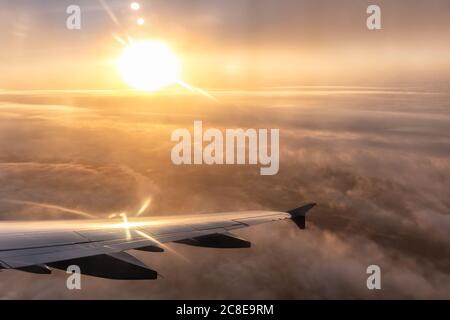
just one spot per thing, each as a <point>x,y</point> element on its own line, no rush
<point>98,247</point>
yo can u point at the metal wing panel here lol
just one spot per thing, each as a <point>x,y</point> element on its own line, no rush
<point>262,219</point>
<point>33,240</point>
<point>157,230</point>
<point>187,235</point>
<point>217,224</point>
<point>21,249</point>
<point>103,234</point>
<point>27,257</point>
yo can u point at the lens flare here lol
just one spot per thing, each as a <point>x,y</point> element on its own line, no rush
<point>135,6</point>
<point>126,225</point>
<point>144,206</point>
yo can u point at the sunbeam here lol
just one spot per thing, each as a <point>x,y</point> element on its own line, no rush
<point>109,12</point>
<point>144,206</point>
<point>50,206</point>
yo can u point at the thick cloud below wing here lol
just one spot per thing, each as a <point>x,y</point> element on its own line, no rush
<point>377,164</point>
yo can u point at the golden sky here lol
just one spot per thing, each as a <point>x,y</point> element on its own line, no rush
<point>229,45</point>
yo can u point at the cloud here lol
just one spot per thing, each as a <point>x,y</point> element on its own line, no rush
<point>377,165</point>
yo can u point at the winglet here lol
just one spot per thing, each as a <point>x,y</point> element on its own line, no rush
<point>298,215</point>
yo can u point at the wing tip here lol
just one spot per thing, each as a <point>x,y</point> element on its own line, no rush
<point>298,215</point>
<point>301,211</point>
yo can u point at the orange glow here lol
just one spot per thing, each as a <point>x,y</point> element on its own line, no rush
<point>149,66</point>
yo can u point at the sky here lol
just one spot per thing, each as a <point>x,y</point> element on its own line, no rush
<point>364,119</point>
<point>226,44</point>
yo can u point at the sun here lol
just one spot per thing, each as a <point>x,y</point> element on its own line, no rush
<point>149,66</point>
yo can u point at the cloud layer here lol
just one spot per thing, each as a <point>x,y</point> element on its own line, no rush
<point>377,164</point>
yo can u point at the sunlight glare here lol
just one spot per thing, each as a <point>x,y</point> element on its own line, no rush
<point>135,6</point>
<point>149,66</point>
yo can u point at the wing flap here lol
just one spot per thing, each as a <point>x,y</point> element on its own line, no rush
<point>118,266</point>
<point>218,241</point>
